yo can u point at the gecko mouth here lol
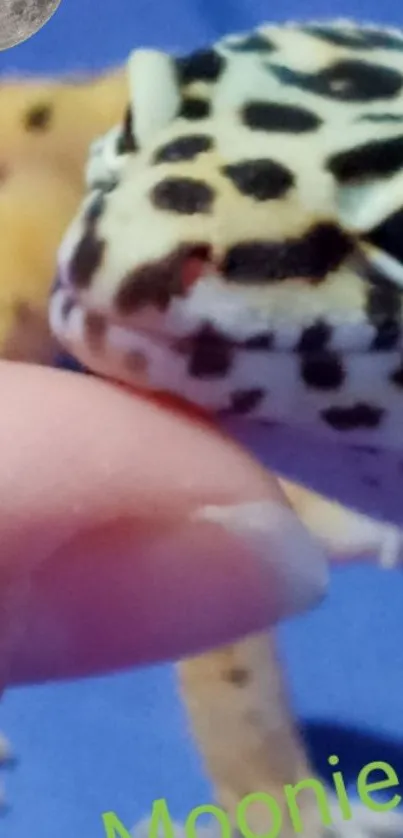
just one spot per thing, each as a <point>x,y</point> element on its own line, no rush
<point>119,351</point>
<point>74,322</point>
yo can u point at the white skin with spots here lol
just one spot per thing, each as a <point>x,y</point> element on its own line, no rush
<point>359,406</point>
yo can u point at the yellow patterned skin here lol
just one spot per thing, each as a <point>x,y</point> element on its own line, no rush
<point>46,128</point>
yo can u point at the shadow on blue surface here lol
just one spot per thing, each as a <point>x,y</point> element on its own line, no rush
<point>354,748</point>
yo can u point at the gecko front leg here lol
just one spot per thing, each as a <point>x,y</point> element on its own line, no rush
<point>239,711</point>
<point>238,706</point>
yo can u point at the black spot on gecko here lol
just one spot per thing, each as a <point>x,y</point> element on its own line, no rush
<point>183,195</point>
<point>397,376</point>
<point>387,336</point>
<point>382,40</point>
<point>314,338</point>
<point>322,370</point>
<point>262,179</point>
<point>380,117</point>
<point>237,675</point>
<point>322,249</point>
<point>245,401</point>
<point>183,148</point>
<point>357,38</point>
<point>352,418</point>
<point>388,235</point>
<point>272,116</point>
<point>383,309</point>
<point>201,65</point>
<point>86,259</point>
<point>349,38</point>
<point>210,354</point>
<point>377,158</point>
<point>156,283</point>
<point>126,143</point>
<point>264,341</point>
<point>256,42</point>
<point>345,81</point>
<point>194,108</point>
<point>39,117</point>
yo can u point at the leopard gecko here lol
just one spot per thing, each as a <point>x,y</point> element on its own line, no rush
<point>240,244</point>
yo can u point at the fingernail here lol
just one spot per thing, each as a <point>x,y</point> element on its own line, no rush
<point>274,534</point>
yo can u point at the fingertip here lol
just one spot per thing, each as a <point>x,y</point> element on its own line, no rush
<point>120,596</point>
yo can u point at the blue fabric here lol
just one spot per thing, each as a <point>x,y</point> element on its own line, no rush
<point>118,743</point>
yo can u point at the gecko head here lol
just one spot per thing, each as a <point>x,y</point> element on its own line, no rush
<point>141,293</point>
<point>138,295</point>
<point>182,255</point>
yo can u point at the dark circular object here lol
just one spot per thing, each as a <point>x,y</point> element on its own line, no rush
<point>185,196</point>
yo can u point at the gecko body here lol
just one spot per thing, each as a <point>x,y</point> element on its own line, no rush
<point>241,241</point>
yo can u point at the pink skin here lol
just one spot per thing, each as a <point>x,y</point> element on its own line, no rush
<point>97,490</point>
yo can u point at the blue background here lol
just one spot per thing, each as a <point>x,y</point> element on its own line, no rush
<point>118,743</point>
